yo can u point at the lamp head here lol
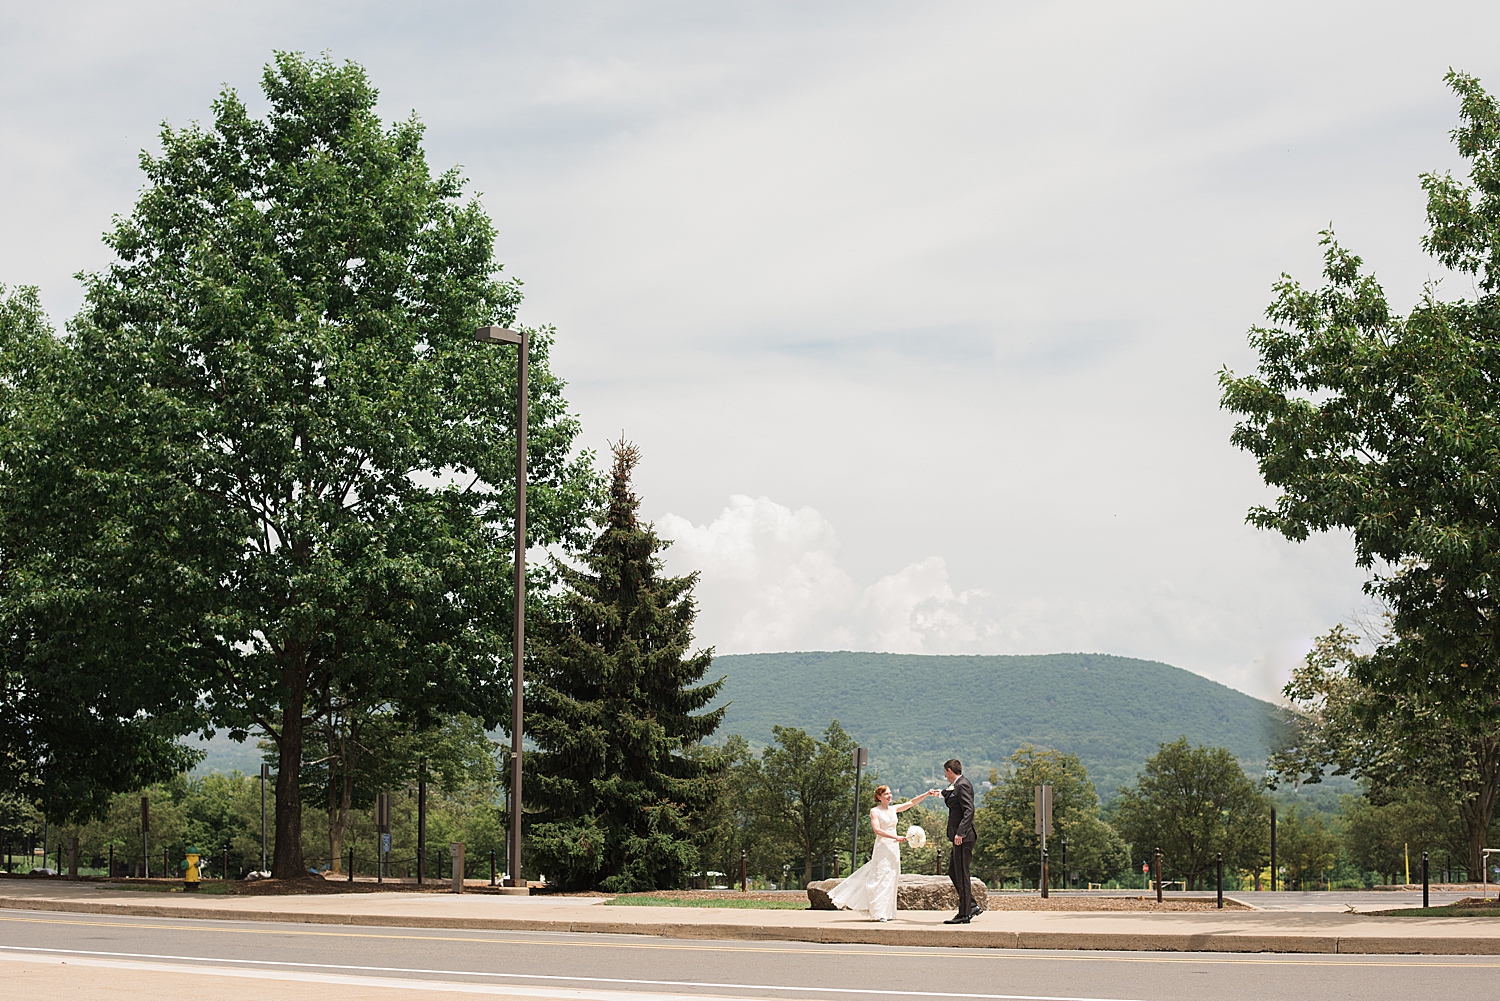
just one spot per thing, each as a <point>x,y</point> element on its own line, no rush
<point>497,335</point>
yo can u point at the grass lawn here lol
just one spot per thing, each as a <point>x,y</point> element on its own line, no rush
<point>658,900</point>
<point>216,886</point>
<point>1470,907</point>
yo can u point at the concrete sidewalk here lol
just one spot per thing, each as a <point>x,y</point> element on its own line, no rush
<point>1181,931</point>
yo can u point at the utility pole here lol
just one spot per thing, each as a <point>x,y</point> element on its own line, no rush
<point>861,758</point>
<point>1043,795</point>
<point>422,825</point>
<point>500,335</point>
<point>1273,849</point>
<point>383,833</point>
<point>265,776</point>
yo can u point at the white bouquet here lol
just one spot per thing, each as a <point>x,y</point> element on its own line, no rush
<point>915,836</point>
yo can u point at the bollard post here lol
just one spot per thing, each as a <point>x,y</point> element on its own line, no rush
<point>939,861</point>
<point>1156,870</point>
<point>111,861</point>
<point>744,872</point>
<point>1221,880</point>
<point>351,864</point>
<point>1424,880</point>
<point>492,867</point>
<point>73,857</point>
<point>166,863</point>
<point>225,872</point>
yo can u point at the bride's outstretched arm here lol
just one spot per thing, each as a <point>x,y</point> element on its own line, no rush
<point>913,802</point>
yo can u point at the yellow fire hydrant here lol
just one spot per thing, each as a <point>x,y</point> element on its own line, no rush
<point>190,872</point>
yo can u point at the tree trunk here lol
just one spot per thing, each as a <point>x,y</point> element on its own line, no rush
<point>1478,812</point>
<point>288,862</point>
<point>340,792</point>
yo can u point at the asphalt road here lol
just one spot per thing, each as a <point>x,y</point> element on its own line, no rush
<point>629,967</point>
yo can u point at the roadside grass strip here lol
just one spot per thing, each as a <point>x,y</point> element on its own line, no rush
<point>755,903</point>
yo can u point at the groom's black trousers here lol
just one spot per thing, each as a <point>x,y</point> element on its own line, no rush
<point>958,871</point>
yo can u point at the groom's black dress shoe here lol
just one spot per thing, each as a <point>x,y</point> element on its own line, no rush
<point>957,919</point>
<point>976,912</point>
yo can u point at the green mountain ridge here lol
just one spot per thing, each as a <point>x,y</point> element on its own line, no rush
<point>913,711</point>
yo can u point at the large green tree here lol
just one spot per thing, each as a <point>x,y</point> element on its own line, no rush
<point>1402,741</point>
<point>1384,827</point>
<point>1006,820</point>
<point>616,698</point>
<point>92,695</point>
<point>314,458</point>
<point>1388,427</point>
<point>1305,849</point>
<point>1194,803</point>
<point>803,793</point>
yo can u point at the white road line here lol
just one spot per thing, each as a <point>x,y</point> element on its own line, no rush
<point>247,967</point>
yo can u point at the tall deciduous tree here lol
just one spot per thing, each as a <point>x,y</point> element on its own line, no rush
<point>1305,848</point>
<point>1397,739</point>
<point>614,702</point>
<point>316,457</point>
<point>92,696</point>
<point>1193,803</point>
<point>804,792</point>
<point>1006,820</point>
<point>1388,426</point>
<point>1381,829</point>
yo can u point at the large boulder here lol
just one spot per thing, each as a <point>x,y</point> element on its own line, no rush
<point>913,893</point>
<point>817,894</point>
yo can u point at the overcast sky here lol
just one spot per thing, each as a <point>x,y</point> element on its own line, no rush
<point>915,310</point>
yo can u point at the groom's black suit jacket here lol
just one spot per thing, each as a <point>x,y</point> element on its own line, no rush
<point>960,800</point>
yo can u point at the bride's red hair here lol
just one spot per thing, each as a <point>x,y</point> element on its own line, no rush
<point>878,791</point>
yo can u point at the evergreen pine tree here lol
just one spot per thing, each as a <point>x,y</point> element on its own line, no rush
<point>613,699</point>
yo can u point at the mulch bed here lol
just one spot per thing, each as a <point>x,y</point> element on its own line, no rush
<point>999,902</point>
<point>771,896</point>
<point>279,887</point>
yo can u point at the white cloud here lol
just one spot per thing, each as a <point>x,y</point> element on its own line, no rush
<point>770,577</point>
<point>771,580</point>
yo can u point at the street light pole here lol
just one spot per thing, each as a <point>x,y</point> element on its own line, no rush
<point>265,774</point>
<point>500,335</point>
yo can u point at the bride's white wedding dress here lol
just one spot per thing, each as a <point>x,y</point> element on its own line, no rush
<point>872,888</point>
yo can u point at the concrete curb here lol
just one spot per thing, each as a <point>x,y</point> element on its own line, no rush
<point>964,938</point>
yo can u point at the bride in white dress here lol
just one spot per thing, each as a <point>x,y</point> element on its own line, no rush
<point>872,887</point>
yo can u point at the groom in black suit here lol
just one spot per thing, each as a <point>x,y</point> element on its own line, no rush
<point>960,799</point>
